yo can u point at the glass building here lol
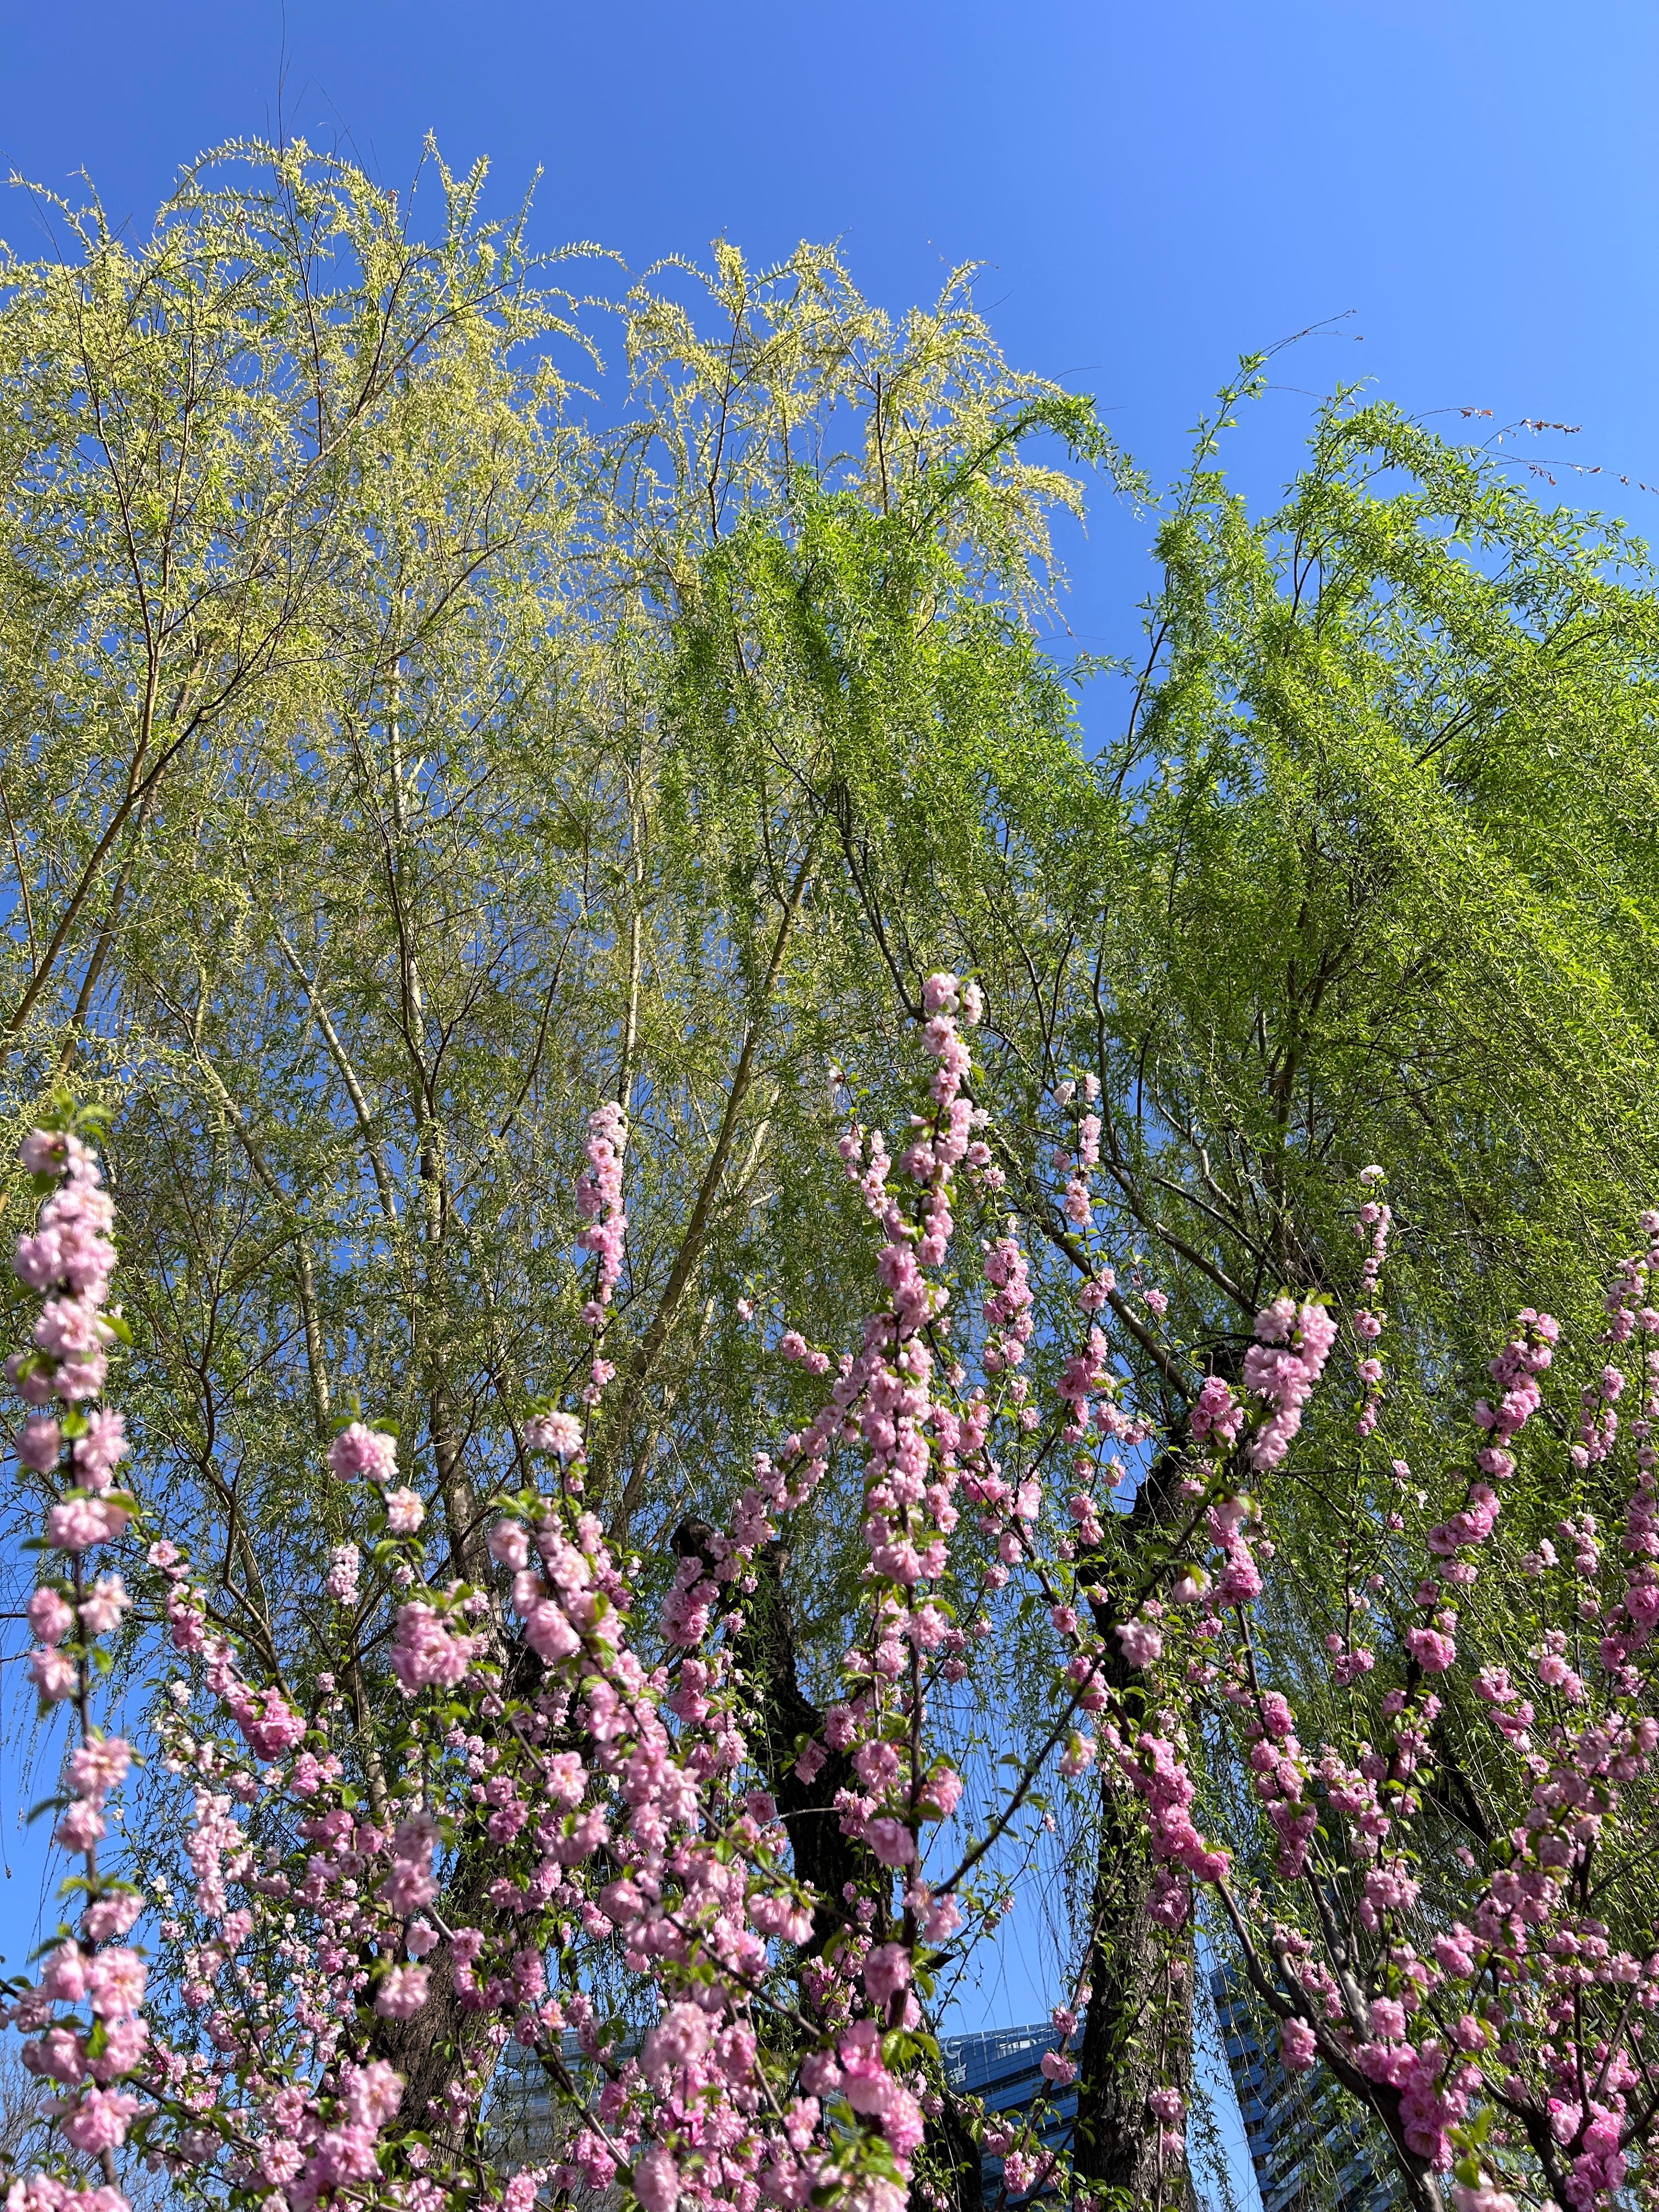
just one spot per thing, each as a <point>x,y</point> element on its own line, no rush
<point>525,2117</point>
<point>1310,2147</point>
<point>1003,2066</point>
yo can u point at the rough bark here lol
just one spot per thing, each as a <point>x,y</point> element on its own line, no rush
<point>1124,2055</point>
<point>952,2159</point>
<point>781,1715</point>
<point>1116,2144</point>
<point>432,2050</point>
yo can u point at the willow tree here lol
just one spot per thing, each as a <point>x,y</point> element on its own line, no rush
<point>1369,876</point>
<point>398,767</point>
<point>255,472</point>
<point>373,818</point>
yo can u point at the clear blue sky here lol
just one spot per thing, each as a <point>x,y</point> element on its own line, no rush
<point>1153,188</point>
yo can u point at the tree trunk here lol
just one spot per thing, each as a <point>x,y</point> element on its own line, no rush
<point>1131,2044</point>
<point>780,1714</point>
<point>432,2049</point>
<point>952,2162</point>
<point>1124,2055</point>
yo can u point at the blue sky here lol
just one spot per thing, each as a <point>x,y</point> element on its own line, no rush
<point>1153,189</point>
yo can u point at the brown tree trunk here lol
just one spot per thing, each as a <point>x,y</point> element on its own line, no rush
<point>779,1715</point>
<point>1136,2035</point>
<point>1128,2048</point>
<point>952,2161</point>
<point>431,2051</point>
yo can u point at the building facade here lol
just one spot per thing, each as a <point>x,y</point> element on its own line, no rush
<point>1003,2066</point>
<point>1308,2146</point>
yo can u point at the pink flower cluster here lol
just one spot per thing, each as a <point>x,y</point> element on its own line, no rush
<point>71,1259</point>
<point>599,1202</point>
<point>570,1791</point>
<point>1215,1412</point>
<point>1371,1224</point>
<point>1530,1997</point>
<point>1516,1370</point>
<point>648,1837</point>
<point>1282,1366</point>
<point>360,1452</point>
<point>90,2051</point>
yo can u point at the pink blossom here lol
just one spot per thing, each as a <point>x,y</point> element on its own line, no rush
<point>67,1328</point>
<point>402,1992</point>
<point>99,2121</point>
<point>1018,2168</point>
<point>59,2054</point>
<point>104,1606</point>
<point>112,1916</point>
<point>64,1975</point>
<point>50,1617</point>
<point>38,1443</point>
<point>24,1373</point>
<point>280,2161</point>
<point>405,1511</point>
<point>781,1917</point>
<point>1216,1412</point>
<point>890,1840</point>
<point>509,1545</point>
<point>373,2094</point>
<point>342,1579</point>
<point>101,1449</point>
<point>408,1886</point>
<point>680,2037</point>
<point>1456,1952</point>
<point>1141,1640</point>
<point>549,1632</point>
<point>80,1522</point>
<point>1277,1719</point>
<point>1433,1651</point>
<point>426,1653</point>
<point>359,1450</point>
<point>939,1794</point>
<point>81,1826</point>
<point>656,2180</point>
<point>125,2042</point>
<point>271,1723</point>
<point>49,1151</point>
<point>558,1434</point>
<point>52,1673</point>
<point>886,1972</point>
<point>115,1982</point>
